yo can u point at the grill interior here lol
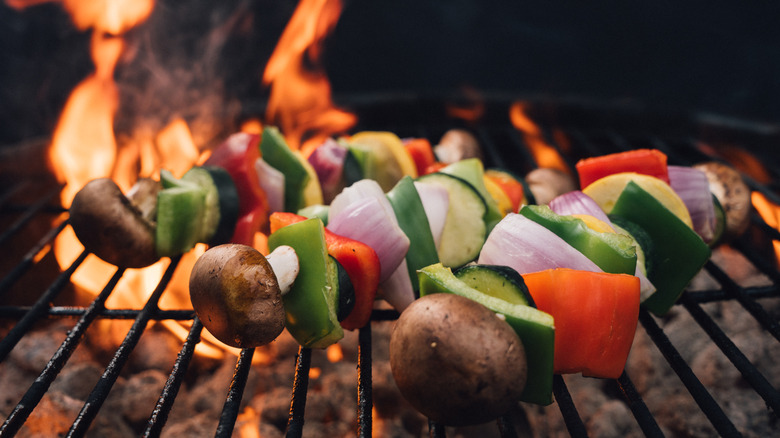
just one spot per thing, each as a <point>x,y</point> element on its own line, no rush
<point>33,291</point>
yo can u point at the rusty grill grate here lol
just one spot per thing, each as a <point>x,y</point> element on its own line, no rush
<point>586,131</point>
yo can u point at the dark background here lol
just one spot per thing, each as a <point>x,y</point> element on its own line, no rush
<point>719,57</point>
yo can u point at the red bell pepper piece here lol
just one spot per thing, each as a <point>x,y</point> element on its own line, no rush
<point>595,315</point>
<point>237,155</point>
<point>646,161</point>
<point>358,259</point>
<point>421,152</point>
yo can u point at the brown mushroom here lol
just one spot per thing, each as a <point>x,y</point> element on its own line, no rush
<point>456,361</point>
<point>547,183</point>
<point>117,228</point>
<point>456,145</point>
<point>733,194</point>
<point>236,295</point>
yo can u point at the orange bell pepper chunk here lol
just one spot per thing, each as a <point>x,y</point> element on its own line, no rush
<point>645,161</point>
<point>358,259</point>
<point>596,315</point>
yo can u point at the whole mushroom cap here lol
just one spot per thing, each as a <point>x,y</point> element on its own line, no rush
<point>236,295</point>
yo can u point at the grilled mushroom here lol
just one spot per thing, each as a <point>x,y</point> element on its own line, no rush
<point>456,361</point>
<point>236,293</point>
<point>456,145</point>
<point>547,183</point>
<point>117,228</point>
<point>733,194</point>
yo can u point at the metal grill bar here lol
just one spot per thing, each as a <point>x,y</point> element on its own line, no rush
<point>709,406</point>
<point>173,384</point>
<point>753,307</point>
<point>638,407</point>
<point>100,392</point>
<point>570,415</point>
<point>17,312</point>
<point>57,362</point>
<point>300,387</point>
<point>38,310</point>
<point>364,385</point>
<point>230,410</point>
<point>28,215</point>
<point>29,258</point>
<point>748,371</point>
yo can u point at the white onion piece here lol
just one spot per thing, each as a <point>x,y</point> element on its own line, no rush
<point>577,202</point>
<point>363,189</point>
<point>646,287</point>
<point>367,221</point>
<point>693,187</point>
<point>328,163</point>
<point>525,246</point>
<point>272,183</point>
<point>397,289</point>
<point>436,201</point>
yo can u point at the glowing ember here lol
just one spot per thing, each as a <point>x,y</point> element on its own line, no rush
<point>334,353</point>
<point>300,100</point>
<point>546,156</point>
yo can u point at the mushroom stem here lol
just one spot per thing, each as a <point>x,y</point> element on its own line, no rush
<point>143,196</point>
<point>284,262</point>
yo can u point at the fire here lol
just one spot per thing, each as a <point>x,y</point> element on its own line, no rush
<point>300,100</point>
<point>84,145</point>
<point>546,156</point>
<point>770,212</point>
<point>472,110</point>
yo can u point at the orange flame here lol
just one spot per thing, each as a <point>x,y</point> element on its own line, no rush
<point>472,110</point>
<point>84,147</point>
<point>770,212</point>
<point>300,100</point>
<point>546,156</point>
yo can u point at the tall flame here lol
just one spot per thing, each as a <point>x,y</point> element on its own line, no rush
<point>300,100</point>
<point>84,147</point>
<point>546,155</point>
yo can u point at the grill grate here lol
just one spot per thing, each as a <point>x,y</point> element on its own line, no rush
<point>503,145</point>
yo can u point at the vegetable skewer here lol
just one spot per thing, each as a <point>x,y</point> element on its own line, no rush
<point>320,327</point>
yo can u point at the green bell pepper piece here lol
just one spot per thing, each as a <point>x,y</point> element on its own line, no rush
<point>677,252</point>
<point>412,219</point>
<point>535,328</point>
<point>311,304</point>
<point>277,153</point>
<point>180,210</point>
<point>612,252</point>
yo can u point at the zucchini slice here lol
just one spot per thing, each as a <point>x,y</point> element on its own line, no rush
<point>464,229</point>
<point>497,281</point>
